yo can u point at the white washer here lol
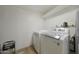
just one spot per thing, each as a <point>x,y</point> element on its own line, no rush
<point>36,40</point>
<point>55,42</point>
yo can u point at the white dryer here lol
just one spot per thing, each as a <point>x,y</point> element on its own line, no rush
<point>55,42</point>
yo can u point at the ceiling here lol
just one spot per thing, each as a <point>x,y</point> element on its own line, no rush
<point>38,8</point>
<point>61,9</point>
<point>47,10</point>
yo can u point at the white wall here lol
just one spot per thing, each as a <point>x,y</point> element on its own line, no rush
<point>17,24</point>
<point>69,17</point>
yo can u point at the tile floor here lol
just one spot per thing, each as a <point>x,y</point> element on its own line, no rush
<point>28,50</point>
